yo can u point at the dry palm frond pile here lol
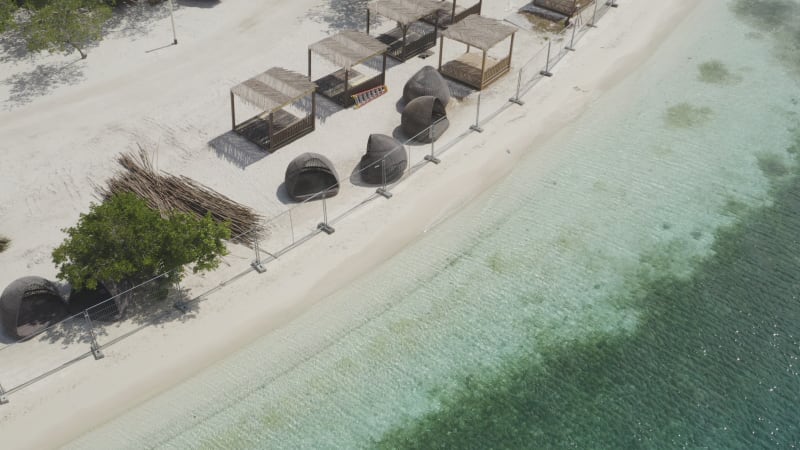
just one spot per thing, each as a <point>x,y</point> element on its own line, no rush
<point>166,193</point>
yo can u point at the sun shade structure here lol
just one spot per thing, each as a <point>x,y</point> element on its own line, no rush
<point>29,305</point>
<point>424,119</point>
<point>566,7</point>
<point>347,49</point>
<point>452,12</point>
<point>385,160</point>
<point>311,175</point>
<point>477,70</point>
<point>412,35</point>
<point>555,10</point>
<point>271,92</point>
<point>427,81</point>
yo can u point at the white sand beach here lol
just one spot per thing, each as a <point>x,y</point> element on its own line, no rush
<point>63,121</point>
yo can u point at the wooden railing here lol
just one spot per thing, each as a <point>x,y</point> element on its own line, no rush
<point>474,9</point>
<point>497,70</point>
<point>411,49</point>
<point>291,133</point>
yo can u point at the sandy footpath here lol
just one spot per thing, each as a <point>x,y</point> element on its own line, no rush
<point>174,101</point>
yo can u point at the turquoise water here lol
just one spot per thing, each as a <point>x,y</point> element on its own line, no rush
<point>640,292</point>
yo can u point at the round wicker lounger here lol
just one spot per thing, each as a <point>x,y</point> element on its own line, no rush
<point>29,305</point>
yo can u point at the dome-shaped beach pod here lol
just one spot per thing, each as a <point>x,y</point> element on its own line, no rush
<point>385,156</point>
<point>29,305</point>
<point>309,175</point>
<point>422,113</point>
<point>427,81</point>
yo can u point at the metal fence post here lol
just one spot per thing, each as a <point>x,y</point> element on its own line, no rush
<point>432,157</point>
<point>3,397</point>
<point>257,264</point>
<point>546,72</point>
<point>172,19</point>
<point>324,224</point>
<point>516,98</point>
<point>96,352</point>
<point>594,16</point>
<point>382,190</point>
<point>477,126</point>
<point>571,46</point>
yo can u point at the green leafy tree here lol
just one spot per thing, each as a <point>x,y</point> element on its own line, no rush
<point>7,10</point>
<point>63,25</point>
<point>122,239</point>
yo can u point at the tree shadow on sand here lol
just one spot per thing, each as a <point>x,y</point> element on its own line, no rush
<point>118,317</point>
<point>342,15</point>
<point>26,86</point>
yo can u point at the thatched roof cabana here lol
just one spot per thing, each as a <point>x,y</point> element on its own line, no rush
<point>347,49</point>
<point>311,175</point>
<point>385,160</point>
<point>472,69</point>
<point>427,81</point>
<point>452,12</point>
<point>412,36</point>
<point>29,305</point>
<point>566,7</point>
<point>424,119</point>
<point>271,92</point>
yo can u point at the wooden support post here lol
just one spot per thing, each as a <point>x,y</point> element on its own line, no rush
<point>453,16</point>
<point>346,88</point>
<point>313,110</point>
<point>483,69</point>
<point>441,52</point>
<point>233,113</point>
<point>405,31</point>
<point>383,69</point>
<point>367,21</point>
<point>511,50</point>
<point>271,130</point>
<point>309,64</point>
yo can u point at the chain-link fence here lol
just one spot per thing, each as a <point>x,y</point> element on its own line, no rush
<point>89,332</point>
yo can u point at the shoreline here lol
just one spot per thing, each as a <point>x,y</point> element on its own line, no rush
<point>103,389</point>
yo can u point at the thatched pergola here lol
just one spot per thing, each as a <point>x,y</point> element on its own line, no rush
<point>452,12</point>
<point>271,92</point>
<point>477,70</point>
<point>347,49</point>
<point>412,35</point>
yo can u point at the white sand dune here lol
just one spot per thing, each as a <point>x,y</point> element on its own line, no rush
<point>64,121</point>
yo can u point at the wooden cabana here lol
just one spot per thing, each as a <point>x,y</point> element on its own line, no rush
<point>452,12</point>
<point>271,92</point>
<point>477,70</point>
<point>412,35</point>
<point>347,49</point>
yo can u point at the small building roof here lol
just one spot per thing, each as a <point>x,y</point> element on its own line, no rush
<point>274,89</point>
<point>404,11</point>
<point>479,31</point>
<point>348,48</point>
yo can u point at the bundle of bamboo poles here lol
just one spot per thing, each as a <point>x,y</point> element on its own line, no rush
<point>167,193</point>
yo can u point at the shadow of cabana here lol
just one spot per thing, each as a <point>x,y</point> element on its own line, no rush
<point>324,107</point>
<point>236,150</point>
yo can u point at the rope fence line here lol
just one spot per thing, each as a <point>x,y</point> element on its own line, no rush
<point>93,326</point>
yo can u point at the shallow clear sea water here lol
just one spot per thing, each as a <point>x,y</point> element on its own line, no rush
<point>641,291</point>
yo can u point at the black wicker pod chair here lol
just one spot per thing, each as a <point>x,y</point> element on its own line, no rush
<point>30,304</point>
<point>423,113</point>
<point>427,81</point>
<point>311,175</point>
<point>385,154</point>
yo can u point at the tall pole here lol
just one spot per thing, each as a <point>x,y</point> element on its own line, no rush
<point>172,19</point>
